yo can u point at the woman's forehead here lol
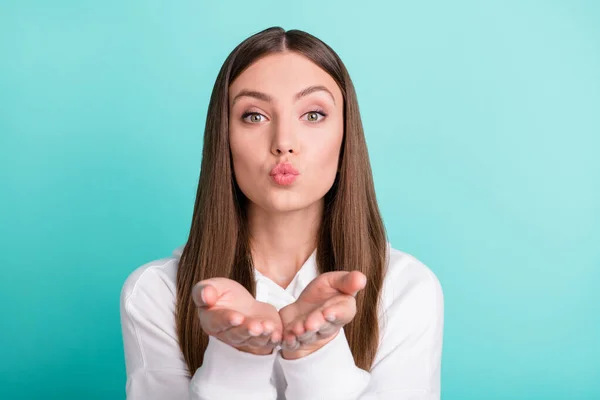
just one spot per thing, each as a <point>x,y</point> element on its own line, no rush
<point>282,76</point>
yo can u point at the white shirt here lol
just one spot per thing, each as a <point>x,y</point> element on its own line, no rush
<point>406,367</point>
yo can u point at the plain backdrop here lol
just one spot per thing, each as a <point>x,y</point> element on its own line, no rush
<point>482,120</point>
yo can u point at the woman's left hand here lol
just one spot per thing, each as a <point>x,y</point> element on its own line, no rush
<point>322,309</point>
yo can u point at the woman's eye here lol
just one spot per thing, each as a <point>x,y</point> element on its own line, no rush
<point>313,116</point>
<point>254,117</point>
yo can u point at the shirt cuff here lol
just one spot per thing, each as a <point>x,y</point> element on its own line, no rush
<point>328,373</point>
<point>233,374</point>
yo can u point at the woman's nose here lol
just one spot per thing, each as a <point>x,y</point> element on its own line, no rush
<point>284,140</point>
<point>283,150</point>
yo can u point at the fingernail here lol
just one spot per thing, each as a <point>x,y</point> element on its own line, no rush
<point>305,336</point>
<point>195,290</point>
<point>267,332</point>
<point>330,317</point>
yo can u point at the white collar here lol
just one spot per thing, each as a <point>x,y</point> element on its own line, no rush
<point>269,292</point>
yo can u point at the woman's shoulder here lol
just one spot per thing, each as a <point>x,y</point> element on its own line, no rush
<point>409,279</point>
<point>152,282</point>
<point>150,338</point>
<point>411,321</point>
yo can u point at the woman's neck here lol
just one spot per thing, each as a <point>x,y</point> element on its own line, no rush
<point>282,242</point>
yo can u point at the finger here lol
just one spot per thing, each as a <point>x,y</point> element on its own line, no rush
<point>307,338</point>
<point>327,330</point>
<point>314,321</point>
<point>309,334</point>
<point>240,334</point>
<point>289,335</point>
<point>204,295</point>
<point>260,341</point>
<point>292,332</point>
<point>341,312</point>
<point>236,335</point>
<point>290,343</point>
<point>348,282</point>
<point>297,328</point>
<point>271,330</point>
<point>276,337</point>
<point>276,334</point>
<point>268,327</point>
<point>216,321</point>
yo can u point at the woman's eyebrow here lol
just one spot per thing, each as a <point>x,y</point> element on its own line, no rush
<point>252,93</point>
<point>265,97</point>
<point>312,89</point>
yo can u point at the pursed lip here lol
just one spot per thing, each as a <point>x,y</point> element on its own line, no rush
<point>284,168</point>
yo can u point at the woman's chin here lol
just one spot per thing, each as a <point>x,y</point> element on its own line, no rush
<point>283,201</point>
<point>283,204</point>
<point>280,207</point>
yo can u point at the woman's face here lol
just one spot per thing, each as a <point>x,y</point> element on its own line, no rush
<point>284,109</point>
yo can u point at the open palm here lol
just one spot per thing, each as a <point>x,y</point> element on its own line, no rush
<point>323,307</point>
<point>230,313</point>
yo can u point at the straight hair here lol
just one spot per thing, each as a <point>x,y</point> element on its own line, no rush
<point>351,235</point>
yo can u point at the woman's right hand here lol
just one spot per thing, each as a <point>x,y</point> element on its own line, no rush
<point>231,314</point>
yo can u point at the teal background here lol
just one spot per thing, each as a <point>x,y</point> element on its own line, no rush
<point>483,124</point>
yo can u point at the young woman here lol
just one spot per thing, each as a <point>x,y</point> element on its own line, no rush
<point>286,287</point>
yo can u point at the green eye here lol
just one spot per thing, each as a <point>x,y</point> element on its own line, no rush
<point>313,116</point>
<point>254,117</point>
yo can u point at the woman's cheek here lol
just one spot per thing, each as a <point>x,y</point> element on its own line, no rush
<point>328,154</point>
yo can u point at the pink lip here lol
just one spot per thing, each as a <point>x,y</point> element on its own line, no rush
<point>284,174</point>
<point>284,168</point>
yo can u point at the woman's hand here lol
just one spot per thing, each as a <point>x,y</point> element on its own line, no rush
<point>230,313</point>
<point>326,305</point>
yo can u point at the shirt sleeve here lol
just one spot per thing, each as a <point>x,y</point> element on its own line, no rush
<point>155,366</point>
<point>408,361</point>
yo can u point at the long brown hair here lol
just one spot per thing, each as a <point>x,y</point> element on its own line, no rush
<point>351,236</point>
